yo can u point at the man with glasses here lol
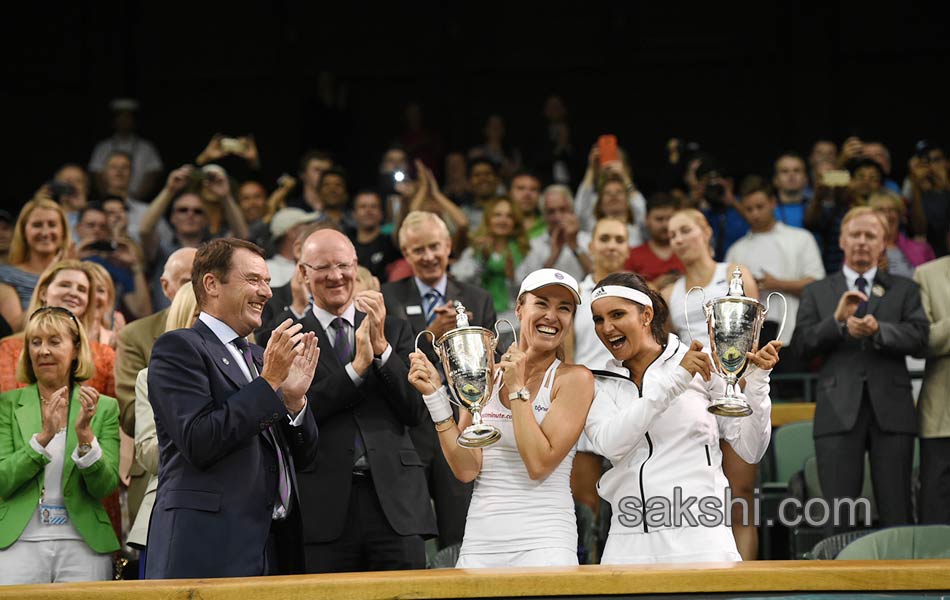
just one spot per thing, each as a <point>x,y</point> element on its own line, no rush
<point>365,506</point>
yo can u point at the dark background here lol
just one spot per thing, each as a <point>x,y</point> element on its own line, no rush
<point>745,80</point>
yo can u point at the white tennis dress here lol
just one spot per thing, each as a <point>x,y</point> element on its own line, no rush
<point>513,520</point>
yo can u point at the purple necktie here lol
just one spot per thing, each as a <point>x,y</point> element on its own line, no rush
<point>862,285</point>
<point>341,346</point>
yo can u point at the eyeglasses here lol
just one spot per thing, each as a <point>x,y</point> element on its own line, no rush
<point>325,270</point>
<point>56,309</point>
<point>189,209</point>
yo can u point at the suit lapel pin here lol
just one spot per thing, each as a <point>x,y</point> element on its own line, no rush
<point>877,290</point>
<point>226,361</point>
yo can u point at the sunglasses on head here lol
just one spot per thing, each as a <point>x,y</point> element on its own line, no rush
<point>55,309</point>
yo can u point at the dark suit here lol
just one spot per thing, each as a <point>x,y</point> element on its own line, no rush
<point>373,521</point>
<point>451,497</point>
<point>279,302</point>
<point>217,480</point>
<point>864,391</point>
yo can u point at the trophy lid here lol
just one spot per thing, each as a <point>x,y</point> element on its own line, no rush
<point>461,319</point>
<point>735,286</point>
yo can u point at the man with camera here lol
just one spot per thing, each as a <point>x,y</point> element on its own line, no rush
<point>711,189</point>
<point>929,191</point>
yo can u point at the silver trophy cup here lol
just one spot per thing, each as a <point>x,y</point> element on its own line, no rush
<point>468,359</point>
<point>734,322</point>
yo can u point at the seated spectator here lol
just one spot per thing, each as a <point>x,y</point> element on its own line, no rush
<point>781,258</point>
<point>285,228</point>
<point>335,198</point>
<point>374,249</point>
<point>612,202</point>
<point>655,260</point>
<point>429,198</point>
<point>40,237</point>
<point>116,181</point>
<point>595,178</point>
<point>497,248</point>
<point>561,247</point>
<point>64,284</point>
<point>867,177</point>
<point>719,205</point>
<point>790,181</point>
<point>252,198</point>
<point>143,157</point>
<point>72,191</point>
<point>224,215</point>
<point>60,460</point>
<point>493,148</point>
<point>312,166</point>
<point>118,255</point>
<point>483,184</point>
<point>525,191</point>
<point>879,153</point>
<point>106,321</point>
<point>902,254</point>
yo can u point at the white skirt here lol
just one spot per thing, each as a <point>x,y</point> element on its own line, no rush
<point>681,545</point>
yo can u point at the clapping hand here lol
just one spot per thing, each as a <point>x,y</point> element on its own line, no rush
<point>300,375</point>
<point>280,353</point>
<point>53,412</point>
<point>88,402</point>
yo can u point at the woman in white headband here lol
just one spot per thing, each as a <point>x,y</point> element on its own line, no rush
<point>521,514</point>
<point>649,419</point>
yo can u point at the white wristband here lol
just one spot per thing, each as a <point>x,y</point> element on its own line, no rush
<point>438,404</point>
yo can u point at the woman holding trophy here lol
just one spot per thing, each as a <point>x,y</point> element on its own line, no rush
<point>667,488</point>
<point>690,238</point>
<point>521,513</point>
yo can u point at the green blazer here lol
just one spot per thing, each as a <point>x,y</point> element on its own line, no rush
<point>22,468</point>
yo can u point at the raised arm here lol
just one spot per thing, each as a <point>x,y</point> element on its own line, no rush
<point>173,185</point>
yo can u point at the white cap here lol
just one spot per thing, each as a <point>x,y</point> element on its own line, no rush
<point>543,277</point>
<point>286,219</point>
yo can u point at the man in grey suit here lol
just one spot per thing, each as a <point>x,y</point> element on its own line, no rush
<point>862,322</point>
<point>427,301</point>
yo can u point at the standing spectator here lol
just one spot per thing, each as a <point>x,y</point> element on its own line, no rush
<point>59,458</point>
<point>930,195</point>
<point>428,197</point>
<point>483,182</point>
<point>493,147</point>
<point>225,218</point>
<point>862,322</point>
<point>74,191</point>
<point>40,238</point>
<point>105,321</point>
<point>561,247</point>
<point>879,153</point>
<point>617,179</point>
<point>525,191</point>
<point>238,156</point>
<point>781,258</point>
<point>497,248</point>
<point>823,218</point>
<point>714,190</point>
<point>252,198</point>
<point>312,166</point>
<point>790,181</point>
<point>612,202</point>
<point>374,250</point>
<point>934,402</point>
<point>426,300</point>
<point>285,229</point>
<point>116,180</point>
<point>823,152</point>
<point>655,260</point>
<point>145,163</point>
<point>335,198</point>
<point>903,254</point>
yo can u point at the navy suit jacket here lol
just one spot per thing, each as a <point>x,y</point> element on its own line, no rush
<point>217,478</point>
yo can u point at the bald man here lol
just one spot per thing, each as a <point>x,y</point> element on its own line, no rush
<point>133,351</point>
<point>365,505</point>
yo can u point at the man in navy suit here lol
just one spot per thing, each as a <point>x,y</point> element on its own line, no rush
<point>233,422</point>
<point>364,503</point>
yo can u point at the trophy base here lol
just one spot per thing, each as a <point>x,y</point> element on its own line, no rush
<point>730,407</point>
<point>478,436</point>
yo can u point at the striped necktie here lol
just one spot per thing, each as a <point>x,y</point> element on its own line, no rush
<point>432,299</point>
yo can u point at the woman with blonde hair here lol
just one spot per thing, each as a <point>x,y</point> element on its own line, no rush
<point>691,240</point>
<point>59,448</point>
<point>105,322</point>
<point>64,284</point>
<point>903,254</point>
<point>40,238</point>
<point>181,315</point>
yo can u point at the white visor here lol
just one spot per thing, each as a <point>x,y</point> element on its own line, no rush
<point>621,291</point>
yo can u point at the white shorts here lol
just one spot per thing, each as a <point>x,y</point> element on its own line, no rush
<point>542,557</point>
<point>685,544</point>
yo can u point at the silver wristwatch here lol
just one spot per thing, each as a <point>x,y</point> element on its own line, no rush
<point>522,394</point>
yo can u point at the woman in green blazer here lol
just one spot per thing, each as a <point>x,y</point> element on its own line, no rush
<point>59,456</point>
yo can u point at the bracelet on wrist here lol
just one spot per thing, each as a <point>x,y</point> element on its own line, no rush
<point>449,422</point>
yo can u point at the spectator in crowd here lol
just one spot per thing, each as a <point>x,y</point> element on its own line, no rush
<point>456,177</point>
<point>312,165</point>
<point>117,255</point>
<point>833,198</point>
<point>781,258</point>
<point>133,351</point>
<point>40,238</point>
<point>655,260</point>
<point>73,191</point>
<point>612,202</point>
<point>667,423</point>
<point>180,315</point>
<point>497,248</point>
<point>224,215</point>
<point>879,153</point>
<point>428,197</point>
<point>419,140</point>
<point>7,223</point>
<point>365,280</point>
<point>10,308</point>
<point>617,179</point>
<point>395,185</point>
<point>237,155</point>
<point>902,254</point>
<point>530,465</point>
<point>867,177</point>
<point>105,321</point>
<point>862,322</point>
<point>65,284</point>
<point>231,434</point>
<point>145,164</point>
<point>293,295</point>
<point>690,237</point>
<point>365,504</point>
<point>335,198</point>
<point>934,402</point>
<point>712,190</point>
<point>427,302</point>
<point>116,181</point>
<point>790,180</point>
<point>252,198</point>
<point>374,249</point>
<point>525,191</point>
<point>555,158</point>
<point>484,183</point>
<point>285,229</point>
<point>53,480</point>
<point>824,154</point>
<point>494,148</point>
<point>929,189</point>
<point>561,247</point>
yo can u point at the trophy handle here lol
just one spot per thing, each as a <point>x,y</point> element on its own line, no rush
<point>514,333</point>
<point>435,346</point>
<point>768,307</point>
<point>686,308</point>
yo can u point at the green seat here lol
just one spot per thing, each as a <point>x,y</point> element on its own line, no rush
<point>813,486</point>
<point>898,543</point>
<point>828,548</point>
<point>792,444</point>
<point>446,557</point>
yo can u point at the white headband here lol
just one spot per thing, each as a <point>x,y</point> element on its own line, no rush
<point>621,291</point>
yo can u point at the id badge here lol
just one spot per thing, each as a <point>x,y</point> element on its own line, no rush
<point>50,514</point>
